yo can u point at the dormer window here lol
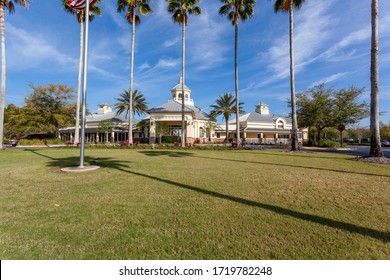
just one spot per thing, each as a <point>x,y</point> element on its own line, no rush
<point>280,124</point>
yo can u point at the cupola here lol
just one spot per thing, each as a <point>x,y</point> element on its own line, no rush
<point>262,108</point>
<point>177,93</point>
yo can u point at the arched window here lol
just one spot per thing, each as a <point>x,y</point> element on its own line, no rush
<point>180,95</point>
<point>186,96</point>
<point>280,124</point>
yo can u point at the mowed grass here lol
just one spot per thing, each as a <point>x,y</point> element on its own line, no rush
<point>192,204</point>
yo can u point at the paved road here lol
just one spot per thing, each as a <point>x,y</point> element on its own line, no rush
<point>353,150</point>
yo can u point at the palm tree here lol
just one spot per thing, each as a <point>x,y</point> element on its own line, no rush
<point>236,10</point>
<point>139,104</point>
<point>226,106</point>
<point>80,16</point>
<point>180,9</point>
<point>132,17</point>
<point>5,5</point>
<point>289,6</point>
<point>375,146</point>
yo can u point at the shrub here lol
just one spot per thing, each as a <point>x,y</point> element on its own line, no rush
<point>330,144</point>
<point>170,139</point>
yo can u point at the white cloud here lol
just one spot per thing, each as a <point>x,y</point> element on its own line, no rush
<point>29,50</point>
<point>170,43</point>
<point>144,66</point>
<point>330,78</point>
<point>310,33</point>
<point>337,52</point>
<point>205,39</point>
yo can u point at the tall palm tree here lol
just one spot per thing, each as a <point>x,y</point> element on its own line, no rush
<point>289,6</point>
<point>5,5</point>
<point>236,10</point>
<point>226,106</point>
<point>180,9</point>
<point>133,19</point>
<point>139,104</point>
<point>80,16</point>
<point>375,146</point>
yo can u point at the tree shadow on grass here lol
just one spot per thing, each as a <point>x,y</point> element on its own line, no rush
<point>182,154</point>
<point>302,154</point>
<point>376,234</point>
<point>123,166</point>
<point>66,161</point>
<point>155,153</point>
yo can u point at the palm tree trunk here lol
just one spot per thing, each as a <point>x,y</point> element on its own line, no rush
<point>77,125</point>
<point>375,146</point>
<point>227,130</point>
<point>183,45</point>
<point>294,142</point>
<point>3,74</point>
<point>236,82</point>
<point>130,136</point>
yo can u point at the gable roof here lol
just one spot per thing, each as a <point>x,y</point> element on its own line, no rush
<point>256,117</point>
<point>112,116</point>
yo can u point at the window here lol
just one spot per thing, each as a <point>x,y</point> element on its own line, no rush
<point>175,130</point>
<point>218,135</point>
<point>280,124</point>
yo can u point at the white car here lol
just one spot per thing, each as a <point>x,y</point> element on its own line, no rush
<point>385,143</point>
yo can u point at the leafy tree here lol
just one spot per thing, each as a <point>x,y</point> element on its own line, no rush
<point>106,127</point>
<point>133,19</point>
<point>236,10</point>
<point>5,5</point>
<point>320,107</point>
<point>80,16</point>
<point>143,125</point>
<point>385,131</point>
<point>289,6</point>
<point>12,116</point>
<point>180,9</point>
<point>139,104</point>
<point>210,127</point>
<point>226,106</point>
<point>161,129</point>
<point>375,146</point>
<point>347,109</point>
<point>313,108</point>
<point>46,109</point>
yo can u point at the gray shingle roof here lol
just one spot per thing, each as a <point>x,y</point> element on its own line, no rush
<point>108,116</point>
<point>256,117</point>
<point>173,106</point>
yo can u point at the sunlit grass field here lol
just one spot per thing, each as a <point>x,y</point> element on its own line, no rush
<point>192,204</point>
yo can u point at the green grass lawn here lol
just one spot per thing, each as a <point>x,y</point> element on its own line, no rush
<point>192,204</point>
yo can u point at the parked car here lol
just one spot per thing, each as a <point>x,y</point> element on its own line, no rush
<point>385,143</point>
<point>14,141</point>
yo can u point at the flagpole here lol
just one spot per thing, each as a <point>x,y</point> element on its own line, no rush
<point>84,95</point>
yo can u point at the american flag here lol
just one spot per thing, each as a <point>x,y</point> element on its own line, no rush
<point>79,4</point>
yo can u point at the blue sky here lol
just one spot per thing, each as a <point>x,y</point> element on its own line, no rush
<point>332,45</point>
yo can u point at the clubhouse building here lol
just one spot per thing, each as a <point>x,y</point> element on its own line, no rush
<point>258,127</point>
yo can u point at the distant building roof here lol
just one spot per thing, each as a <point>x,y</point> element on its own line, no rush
<point>256,117</point>
<point>105,113</point>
